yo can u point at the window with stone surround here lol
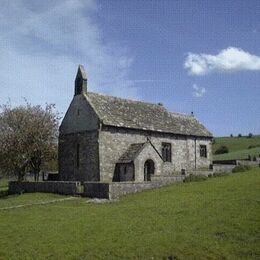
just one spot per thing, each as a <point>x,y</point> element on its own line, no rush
<point>167,152</point>
<point>203,151</point>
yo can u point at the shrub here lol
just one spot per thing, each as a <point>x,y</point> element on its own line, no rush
<point>220,174</point>
<point>250,135</point>
<point>3,193</point>
<point>231,135</point>
<point>254,158</point>
<point>239,135</point>
<point>241,168</point>
<point>253,146</point>
<point>193,177</point>
<point>222,149</point>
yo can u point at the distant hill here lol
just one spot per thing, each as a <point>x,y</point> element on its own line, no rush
<point>239,147</point>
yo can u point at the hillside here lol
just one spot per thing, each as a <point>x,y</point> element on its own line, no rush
<point>238,147</point>
<point>214,219</point>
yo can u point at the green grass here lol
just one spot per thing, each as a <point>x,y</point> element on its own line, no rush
<point>241,154</point>
<point>27,198</point>
<point>214,219</point>
<point>238,147</point>
<point>235,143</point>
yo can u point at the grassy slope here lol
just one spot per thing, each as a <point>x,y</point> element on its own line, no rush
<point>238,147</point>
<point>218,218</point>
<point>241,154</point>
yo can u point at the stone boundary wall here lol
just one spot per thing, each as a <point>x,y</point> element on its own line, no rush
<point>223,167</point>
<point>229,162</point>
<point>249,163</point>
<point>165,180</point>
<point>199,172</point>
<point>229,165</point>
<point>60,187</point>
<point>114,190</point>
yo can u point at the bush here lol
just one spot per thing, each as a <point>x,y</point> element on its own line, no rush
<point>254,158</point>
<point>220,174</point>
<point>241,168</point>
<point>3,193</point>
<point>239,135</point>
<point>250,135</point>
<point>193,177</point>
<point>253,146</point>
<point>222,149</point>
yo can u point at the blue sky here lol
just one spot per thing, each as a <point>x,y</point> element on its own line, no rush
<point>200,56</point>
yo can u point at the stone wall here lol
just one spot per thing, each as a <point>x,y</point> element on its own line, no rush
<point>223,167</point>
<point>147,153</point>
<point>79,117</point>
<point>113,142</point>
<point>88,168</point>
<point>114,190</point>
<point>200,172</point>
<point>60,187</point>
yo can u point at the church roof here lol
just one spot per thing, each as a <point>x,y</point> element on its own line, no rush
<point>131,153</point>
<point>119,112</point>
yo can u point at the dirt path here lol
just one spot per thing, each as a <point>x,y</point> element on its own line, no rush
<point>37,203</point>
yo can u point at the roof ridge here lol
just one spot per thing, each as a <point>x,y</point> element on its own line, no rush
<point>181,114</point>
<point>127,99</point>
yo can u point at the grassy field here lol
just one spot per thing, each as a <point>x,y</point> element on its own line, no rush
<point>213,219</point>
<point>238,147</point>
<point>241,154</point>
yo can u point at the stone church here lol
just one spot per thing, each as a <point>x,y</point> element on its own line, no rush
<point>110,139</point>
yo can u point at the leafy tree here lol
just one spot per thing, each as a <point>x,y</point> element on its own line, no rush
<point>231,135</point>
<point>222,149</point>
<point>250,135</point>
<point>239,135</point>
<point>28,138</point>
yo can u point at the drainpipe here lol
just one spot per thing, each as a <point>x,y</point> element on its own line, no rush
<point>195,153</point>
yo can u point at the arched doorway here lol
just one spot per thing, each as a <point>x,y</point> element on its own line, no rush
<point>148,170</point>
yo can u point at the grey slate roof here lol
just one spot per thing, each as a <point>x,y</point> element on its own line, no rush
<point>131,153</point>
<point>114,111</point>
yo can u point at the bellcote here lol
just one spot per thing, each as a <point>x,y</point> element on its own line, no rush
<point>81,81</point>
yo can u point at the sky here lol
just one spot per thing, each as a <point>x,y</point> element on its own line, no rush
<point>192,56</point>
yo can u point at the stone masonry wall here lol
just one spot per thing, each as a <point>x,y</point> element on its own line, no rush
<point>60,187</point>
<point>80,117</point>
<point>114,190</point>
<point>114,142</point>
<point>88,169</point>
<point>147,153</point>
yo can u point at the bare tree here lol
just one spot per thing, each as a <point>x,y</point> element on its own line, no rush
<point>28,138</point>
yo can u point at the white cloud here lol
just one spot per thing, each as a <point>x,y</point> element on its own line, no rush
<point>41,45</point>
<point>230,59</point>
<point>198,91</point>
